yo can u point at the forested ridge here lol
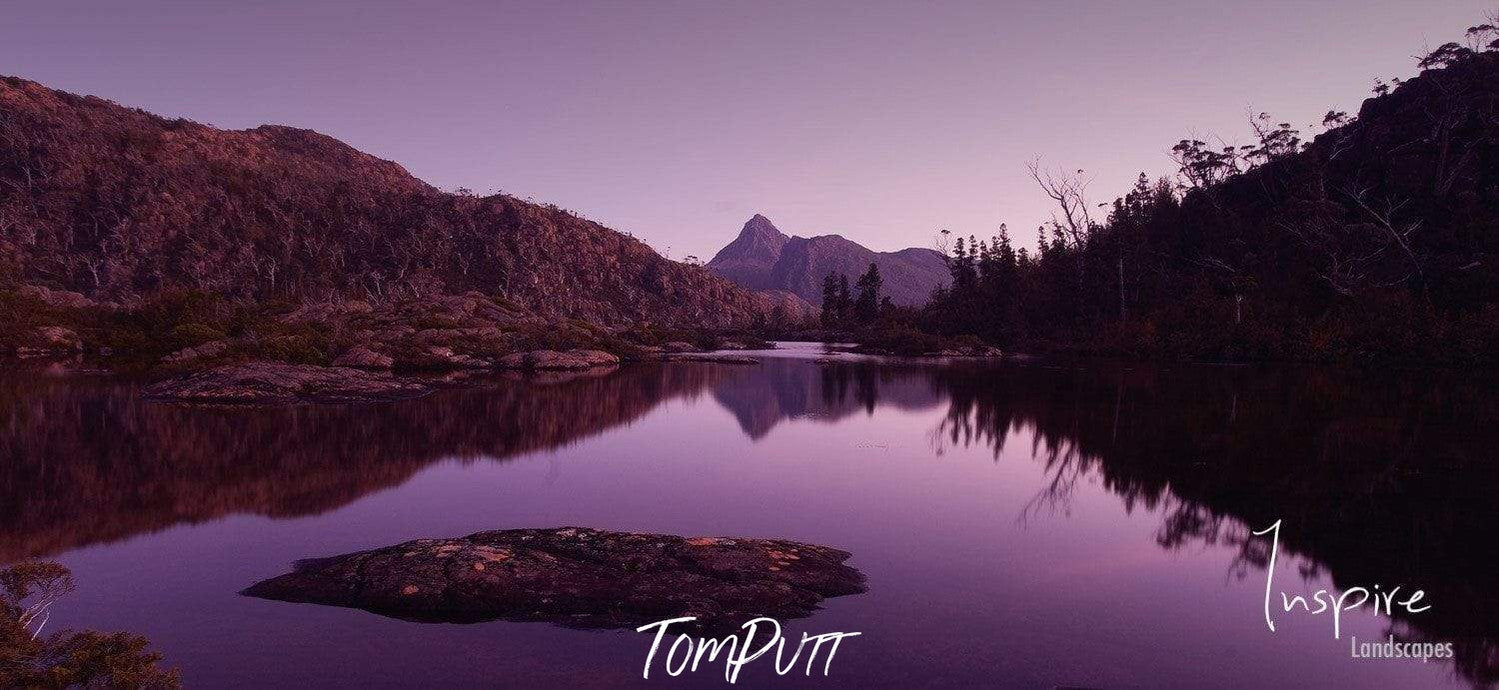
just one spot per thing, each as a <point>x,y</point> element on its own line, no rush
<point>1372,241</point>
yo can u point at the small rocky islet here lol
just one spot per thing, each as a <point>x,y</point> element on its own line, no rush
<point>577,577</point>
<point>270,383</point>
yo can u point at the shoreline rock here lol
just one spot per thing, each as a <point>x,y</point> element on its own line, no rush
<point>361,357</point>
<point>552,359</point>
<point>966,352</point>
<point>269,383</point>
<point>712,358</point>
<point>210,349</point>
<point>50,341</point>
<point>576,577</point>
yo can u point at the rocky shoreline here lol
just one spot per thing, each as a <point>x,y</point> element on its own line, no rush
<point>200,349</point>
<point>203,349</point>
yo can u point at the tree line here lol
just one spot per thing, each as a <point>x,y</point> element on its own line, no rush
<point>859,307</point>
<point>1370,241</point>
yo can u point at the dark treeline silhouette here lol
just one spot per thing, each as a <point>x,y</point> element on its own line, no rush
<point>842,308</point>
<point>1373,241</point>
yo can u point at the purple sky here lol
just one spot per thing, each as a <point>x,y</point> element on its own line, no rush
<point>677,121</point>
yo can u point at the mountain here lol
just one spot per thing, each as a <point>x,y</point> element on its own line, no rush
<point>764,258</point>
<point>751,258</point>
<point>119,204</point>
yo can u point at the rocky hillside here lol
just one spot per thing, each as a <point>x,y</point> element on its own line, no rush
<point>118,204</point>
<point>764,258</point>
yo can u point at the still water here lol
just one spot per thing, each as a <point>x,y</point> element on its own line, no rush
<point>1026,525</point>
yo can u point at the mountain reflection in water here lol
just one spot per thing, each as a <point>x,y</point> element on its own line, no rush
<point>1386,479</point>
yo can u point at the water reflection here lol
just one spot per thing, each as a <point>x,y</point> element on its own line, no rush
<point>1386,479</point>
<point>782,389</point>
<point>1382,479</point>
<point>84,461</point>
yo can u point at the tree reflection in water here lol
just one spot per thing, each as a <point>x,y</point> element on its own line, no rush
<point>1384,478</point>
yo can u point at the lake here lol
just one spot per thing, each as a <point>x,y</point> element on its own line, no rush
<point>1025,524</point>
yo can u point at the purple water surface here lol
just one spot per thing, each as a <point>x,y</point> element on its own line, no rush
<point>1020,525</point>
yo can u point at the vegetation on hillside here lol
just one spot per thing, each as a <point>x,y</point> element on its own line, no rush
<point>1374,241</point>
<point>118,204</point>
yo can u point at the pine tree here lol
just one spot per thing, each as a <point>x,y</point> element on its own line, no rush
<point>844,299</point>
<point>867,306</point>
<point>830,299</point>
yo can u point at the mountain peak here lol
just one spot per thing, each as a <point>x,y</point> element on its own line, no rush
<point>764,258</point>
<point>759,244</point>
<point>760,226</point>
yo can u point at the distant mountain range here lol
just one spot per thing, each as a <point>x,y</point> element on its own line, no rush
<point>763,258</point>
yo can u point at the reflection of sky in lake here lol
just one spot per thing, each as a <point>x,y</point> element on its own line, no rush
<point>972,581</point>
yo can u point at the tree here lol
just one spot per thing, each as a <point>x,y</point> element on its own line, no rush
<point>830,299</point>
<point>65,659</point>
<point>1276,141</point>
<point>1070,193</point>
<point>1202,165</point>
<point>844,298</point>
<point>867,305</point>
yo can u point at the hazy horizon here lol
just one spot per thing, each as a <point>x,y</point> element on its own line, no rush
<point>677,121</point>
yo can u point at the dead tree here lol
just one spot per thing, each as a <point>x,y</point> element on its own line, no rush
<point>1069,192</point>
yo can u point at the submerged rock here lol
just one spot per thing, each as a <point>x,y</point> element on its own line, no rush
<point>575,576</point>
<point>552,359</point>
<point>970,351</point>
<point>273,383</point>
<point>715,358</point>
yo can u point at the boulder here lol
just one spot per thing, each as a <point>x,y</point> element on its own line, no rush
<point>212,348</point>
<point>553,359</point>
<point>51,341</point>
<point>442,356</point>
<point>679,346</point>
<point>57,298</point>
<point>59,338</point>
<point>576,577</point>
<point>275,383</point>
<point>361,357</point>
